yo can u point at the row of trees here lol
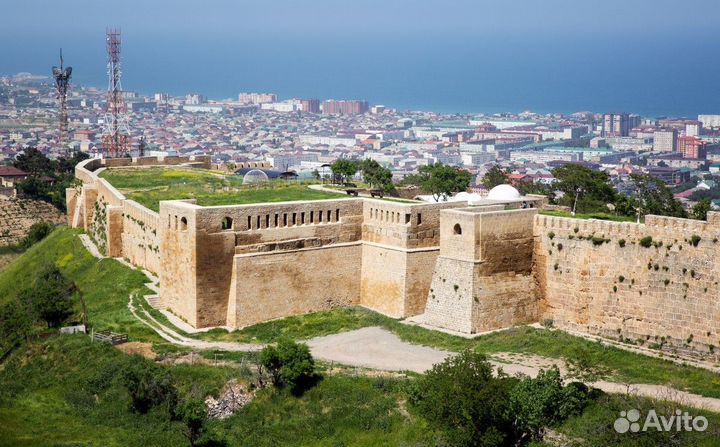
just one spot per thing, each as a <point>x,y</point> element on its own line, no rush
<point>373,173</point>
<point>439,180</point>
<point>588,191</point>
<point>47,179</point>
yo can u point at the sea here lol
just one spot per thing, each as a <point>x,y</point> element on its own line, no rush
<point>652,75</point>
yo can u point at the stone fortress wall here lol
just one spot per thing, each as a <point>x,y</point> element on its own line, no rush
<point>597,277</point>
<point>448,265</point>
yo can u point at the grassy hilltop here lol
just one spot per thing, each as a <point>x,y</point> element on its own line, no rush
<point>148,186</point>
<point>66,390</point>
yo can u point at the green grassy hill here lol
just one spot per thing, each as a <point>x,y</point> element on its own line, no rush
<point>64,390</point>
<point>105,284</point>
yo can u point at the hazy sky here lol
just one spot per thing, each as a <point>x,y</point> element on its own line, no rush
<point>388,17</point>
<point>538,54</point>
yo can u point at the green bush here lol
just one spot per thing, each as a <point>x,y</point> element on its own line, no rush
<point>38,231</point>
<point>461,398</point>
<point>621,243</point>
<point>543,401</point>
<point>646,241</point>
<point>551,235</point>
<point>694,240</point>
<point>148,386</point>
<point>290,365</point>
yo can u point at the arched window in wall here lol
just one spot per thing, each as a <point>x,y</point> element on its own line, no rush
<point>227,223</point>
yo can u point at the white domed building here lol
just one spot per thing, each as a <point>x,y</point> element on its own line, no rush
<point>254,177</point>
<point>504,193</point>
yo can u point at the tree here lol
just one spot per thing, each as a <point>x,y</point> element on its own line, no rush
<point>47,179</point>
<point>50,297</point>
<point>584,190</point>
<point>442,180</point>
<point>193,414</point>
<point>376,175</point>
<point>494,177</point>
<point>701,209</point>
<point>461,397</point>
<point>539,402</point>
<point>344,169</point>
<point>654,197</point>
<point>34,162</point>
<point>15,325</point>
<point>290,365</point>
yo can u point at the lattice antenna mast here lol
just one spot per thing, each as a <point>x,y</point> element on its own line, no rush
<point>116,135</point>
<point>62,83</point>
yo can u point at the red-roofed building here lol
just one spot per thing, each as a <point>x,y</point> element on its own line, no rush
<point>692,147</point>
<point>9,175</point>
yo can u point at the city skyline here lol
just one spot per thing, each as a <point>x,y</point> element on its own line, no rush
<point>483,57</point>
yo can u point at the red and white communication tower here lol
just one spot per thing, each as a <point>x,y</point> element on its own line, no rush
<point>116,134</point>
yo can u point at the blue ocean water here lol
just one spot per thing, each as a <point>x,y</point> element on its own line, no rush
<point>649,75</point>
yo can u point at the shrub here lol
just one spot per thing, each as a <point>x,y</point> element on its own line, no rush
<point>646,241</point>
<point>38,231</point>
<point>551,235</point>
<point>461,398</point>
<point>556,266</point>
<point>559,247</point>
<point>148,386</point>
<point>597,240</point>
<point>290,365</point>
<point>543,401</point>
<point>667,281</point>
<point>692,273</point>
<point>621,278</point>
<point>576,229</point>
<point>621,243</point>
<point>15,325</point>
<point>694,240</point>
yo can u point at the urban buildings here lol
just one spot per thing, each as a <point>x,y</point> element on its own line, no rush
<point>692,147</point>
<point>665,140</point>
<point>257,98</point>
<point>353,107</point>
<point>619,124</point>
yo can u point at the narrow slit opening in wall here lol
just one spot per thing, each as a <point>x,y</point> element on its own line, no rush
<point>169,220</point>
<point>277,216</point>
<point>328,216</point>
<point>176,222</point>
<point>302,218</point>
<point>407,218</point>
<point>312,217</point>
<point>285,220</point>
<point>258,222</point>
<point>419,218</point>
<point>337,215</point>
<point>183,223</point>
<point>320,213</point>
<point>294,219</point>
<point>249,223</point>
<point>267,221</point>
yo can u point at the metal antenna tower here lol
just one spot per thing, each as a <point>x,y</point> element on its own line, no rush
<point>116,134</point>
<point>62,82</point>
